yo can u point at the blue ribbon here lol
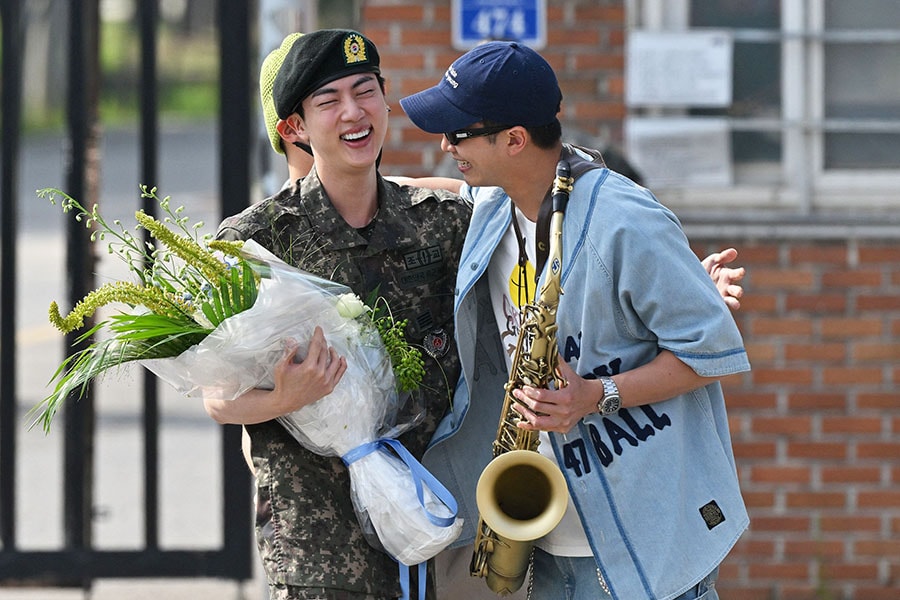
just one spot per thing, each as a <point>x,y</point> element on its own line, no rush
<point>420,475</point>
<point>404,580</point>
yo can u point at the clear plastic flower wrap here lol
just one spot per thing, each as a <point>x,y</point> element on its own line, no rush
<point>412,515</point>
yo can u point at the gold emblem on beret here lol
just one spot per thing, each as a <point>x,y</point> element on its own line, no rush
<point>354,49</point>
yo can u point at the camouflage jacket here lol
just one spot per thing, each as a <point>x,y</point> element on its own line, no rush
<point>307,531</point>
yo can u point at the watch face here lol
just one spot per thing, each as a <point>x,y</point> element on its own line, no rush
<point>611,405</point>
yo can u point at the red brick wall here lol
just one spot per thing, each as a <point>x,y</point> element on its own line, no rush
<point>816,424</point>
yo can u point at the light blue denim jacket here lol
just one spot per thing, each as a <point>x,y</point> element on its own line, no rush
<point>656,486</point>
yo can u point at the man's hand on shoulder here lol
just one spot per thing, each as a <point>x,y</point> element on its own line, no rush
<point>727,280</point>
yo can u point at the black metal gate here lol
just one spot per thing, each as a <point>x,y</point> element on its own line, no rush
<point>78,562</point>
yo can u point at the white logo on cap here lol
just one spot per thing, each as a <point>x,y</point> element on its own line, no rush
<point>449,75</point>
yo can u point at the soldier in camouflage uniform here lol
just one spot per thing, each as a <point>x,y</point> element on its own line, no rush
<point>369,234</point>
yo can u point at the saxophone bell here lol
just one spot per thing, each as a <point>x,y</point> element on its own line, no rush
<point>521,496</point>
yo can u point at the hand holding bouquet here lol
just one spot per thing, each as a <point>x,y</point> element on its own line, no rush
<point>212,317</point>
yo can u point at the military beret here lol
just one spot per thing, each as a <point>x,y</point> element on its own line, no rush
<point>318,58</point>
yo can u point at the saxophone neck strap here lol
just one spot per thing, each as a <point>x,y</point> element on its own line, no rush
<point>578,165</point>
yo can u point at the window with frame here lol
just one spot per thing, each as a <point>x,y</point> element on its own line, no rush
<point>813,122</point>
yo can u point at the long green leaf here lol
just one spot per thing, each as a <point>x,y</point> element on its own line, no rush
<point>225,292</point>
<point>249,287</point>
<point>217,306</point>
<point>74,375</point>
<point>237,294</point>
<point>150,325</point>
<point>209,312</point>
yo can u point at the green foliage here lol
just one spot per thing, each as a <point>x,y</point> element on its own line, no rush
<point>406,361</point>
<point>184,289</point>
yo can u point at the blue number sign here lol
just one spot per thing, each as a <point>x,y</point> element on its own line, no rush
<point>475,21</point>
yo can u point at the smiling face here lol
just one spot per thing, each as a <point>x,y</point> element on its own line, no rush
<point>476,157</point>
<point>345,122</point>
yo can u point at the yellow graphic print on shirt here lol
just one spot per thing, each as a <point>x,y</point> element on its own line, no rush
<point>521,292</point>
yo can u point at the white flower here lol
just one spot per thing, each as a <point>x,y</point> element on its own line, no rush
<point>350,306</point>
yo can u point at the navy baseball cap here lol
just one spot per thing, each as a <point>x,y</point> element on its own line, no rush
<point>503,82</point>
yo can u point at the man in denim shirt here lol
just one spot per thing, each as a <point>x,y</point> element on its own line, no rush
<point>640,431</point>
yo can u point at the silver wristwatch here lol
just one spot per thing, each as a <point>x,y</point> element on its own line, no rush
<point>610,403</point>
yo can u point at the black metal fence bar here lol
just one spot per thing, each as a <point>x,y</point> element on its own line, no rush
<point>11,16</point>
<point>236,95</point>
<point>83,64</point>
<point>148,16</point>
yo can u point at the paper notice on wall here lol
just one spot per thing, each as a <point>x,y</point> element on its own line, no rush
<point>691,68</point>
<point>678,152</point>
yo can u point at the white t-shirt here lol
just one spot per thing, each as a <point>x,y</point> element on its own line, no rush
<point>510,289</point>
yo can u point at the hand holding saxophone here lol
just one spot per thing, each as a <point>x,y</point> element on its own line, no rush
<point>544,409</point>
<point>666,376</point>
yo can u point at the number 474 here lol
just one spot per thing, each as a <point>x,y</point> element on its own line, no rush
<point>499,23</point>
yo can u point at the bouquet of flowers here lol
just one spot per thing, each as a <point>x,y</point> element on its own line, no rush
<point>211,317</point>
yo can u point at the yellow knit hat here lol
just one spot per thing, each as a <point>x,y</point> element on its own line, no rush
<point>270,67</point>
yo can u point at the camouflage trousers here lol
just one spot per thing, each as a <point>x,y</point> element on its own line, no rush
<point>279,591</point>
<point>291,592</point>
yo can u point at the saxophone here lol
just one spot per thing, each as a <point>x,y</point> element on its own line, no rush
<point>521,495</point>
